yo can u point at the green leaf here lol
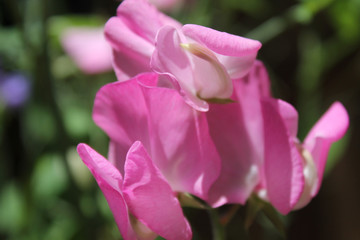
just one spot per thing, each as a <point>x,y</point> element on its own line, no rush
<point>12,208</point>
<point>49,177</point>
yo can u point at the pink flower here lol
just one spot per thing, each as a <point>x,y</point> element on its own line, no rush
<point>142,201</point>
<point>201,62</point>
<point>88,48</point>
<point>292,170</point>
<point>191,148</point>
<point>175,135</point>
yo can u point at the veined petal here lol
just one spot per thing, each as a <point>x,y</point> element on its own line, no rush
<point>150,197</point>
<point>283,166</point>
<point>236,53</point>
<point>109,180</point>
<point>329,129</point>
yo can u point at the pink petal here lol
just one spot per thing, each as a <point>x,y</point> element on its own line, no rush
<point>236,53</point>
<point>169,58</point>
<point>329,129</point>
<point>181,139</point>
<point>109,180</point>
<point>211,79</point>
<point>260,74</point>
<point>290,118</point>
<point>131,51</point>
<point>132,36</point>
<point>88,48</point>
<point>236,128</point>
<point>150,198</point>
<point>198,71</point>
<point>283,165</point>
<point>120,110</point>
<point>175,135</point>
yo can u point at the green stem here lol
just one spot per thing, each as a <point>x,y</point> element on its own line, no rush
<point>226,218</point>
<point>218,229</point>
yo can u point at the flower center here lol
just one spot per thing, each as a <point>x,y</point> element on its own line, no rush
<point>219,88</point>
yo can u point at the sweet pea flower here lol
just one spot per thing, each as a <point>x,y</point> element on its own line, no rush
<point>292,170</point>
<point>88,49</point>
<point>142,201</point>
<point>215,155</point>
<point>175,135</point>
<point>201,62</point>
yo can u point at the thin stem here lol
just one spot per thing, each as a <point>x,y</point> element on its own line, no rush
<point>218,230</point>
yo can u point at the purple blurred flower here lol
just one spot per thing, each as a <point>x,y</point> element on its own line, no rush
<point>14,89</point>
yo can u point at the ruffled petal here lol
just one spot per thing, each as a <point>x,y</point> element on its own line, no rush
<point>236,53</point>
<point>110,181</point>
<point>329,129</point>
<point>151,199</point>
<point>283,166</point>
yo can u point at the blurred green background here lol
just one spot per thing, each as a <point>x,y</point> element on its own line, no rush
<point>311,49</point>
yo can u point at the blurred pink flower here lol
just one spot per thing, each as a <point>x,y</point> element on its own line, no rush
<point>200,61</point>
<point>88,49</point>
<point>142,201</point>
<point>293,171</point>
